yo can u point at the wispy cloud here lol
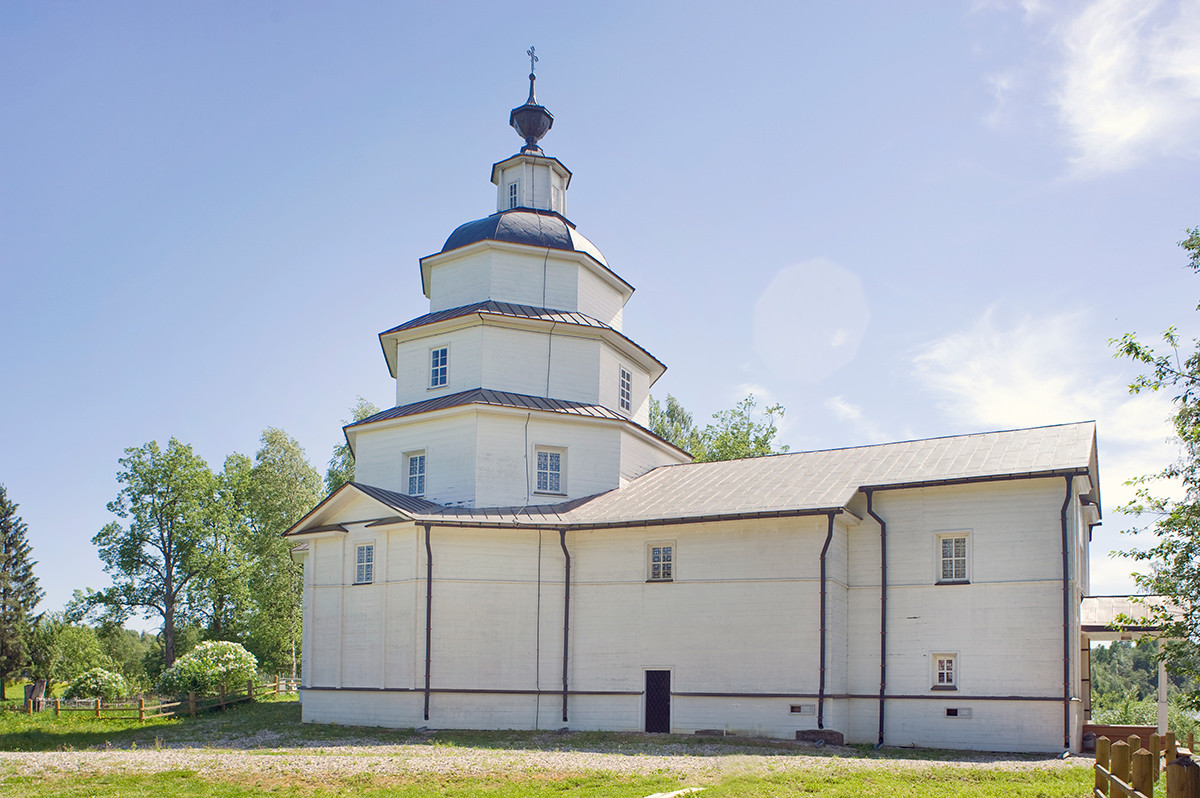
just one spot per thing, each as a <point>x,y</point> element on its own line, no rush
<point>1047,370</point>
<point>1122,78</point>
<point>1130,82</point>
<point>846,411</point>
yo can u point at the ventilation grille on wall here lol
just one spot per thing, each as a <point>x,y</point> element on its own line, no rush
<point>804,709</point>
<point>958,712</point>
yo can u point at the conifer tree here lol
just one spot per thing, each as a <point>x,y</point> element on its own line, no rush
<point>19,592</point>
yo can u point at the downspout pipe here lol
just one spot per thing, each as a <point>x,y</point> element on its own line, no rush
<point>1066,616</point>
<point>821,687</point>
<point>882,609</point>
<point>562,540</point>
<point>428,615</point>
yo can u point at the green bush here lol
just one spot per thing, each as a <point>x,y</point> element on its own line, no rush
<point>207,667</point>
<point>1109,709</point>
<point>98,683</point>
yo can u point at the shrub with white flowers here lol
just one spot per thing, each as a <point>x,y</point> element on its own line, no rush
<point>207,667</point>
<point>98,683</point>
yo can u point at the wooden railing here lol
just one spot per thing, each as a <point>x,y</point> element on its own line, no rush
<point>141,711</point>
<point>1125,769</point>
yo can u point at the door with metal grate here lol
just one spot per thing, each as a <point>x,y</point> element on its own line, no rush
<point>658,701</point>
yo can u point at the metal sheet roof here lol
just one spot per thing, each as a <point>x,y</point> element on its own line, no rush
<point>502,309</point>
<point>487,396</point>
<point>810,481</point>
<point>786,484</point>
<point>532,226</point>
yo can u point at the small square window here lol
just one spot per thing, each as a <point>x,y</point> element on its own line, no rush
<point>364,564</point>
<point>439,360</point>
<point>661,562</point>
<point>626,391</point>
<point>416,473</point>
<point>512,195</point>
<point>945,673</point>
<point>952,558</point>
<point>549,471</point>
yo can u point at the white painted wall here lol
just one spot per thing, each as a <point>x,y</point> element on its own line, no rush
<point>742,616</point>
<point>545,278</point>
<point>449,443</point>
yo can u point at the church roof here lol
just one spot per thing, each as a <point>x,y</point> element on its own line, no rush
<point>792,484</point>
<point>537,228</point>
<point>502,309</point>
<point>487,396</point>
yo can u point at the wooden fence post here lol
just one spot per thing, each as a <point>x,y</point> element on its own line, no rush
<point>277,684</point>
<point>1118,757</point>
<point>1172,748</point>
<point>57,707</point>
<point>1183,778</point>
<point>141,710</point>
<point>192,702</point>
<point>1155,748</point>
<point>250,689</point>
<point>97,707</point>
<point>29,706</point>
<point>222,696</point>
<point>1102,745</point>
<point>1143,772</point>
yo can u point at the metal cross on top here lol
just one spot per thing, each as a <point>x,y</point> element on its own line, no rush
<point>532,58</point>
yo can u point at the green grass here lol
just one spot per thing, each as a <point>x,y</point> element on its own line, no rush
<point>942,782</point>
<point>275,727</point>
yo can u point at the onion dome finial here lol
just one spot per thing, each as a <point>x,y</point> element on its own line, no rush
<point>531,121</point>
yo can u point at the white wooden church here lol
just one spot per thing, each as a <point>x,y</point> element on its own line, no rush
<point>519,551</point>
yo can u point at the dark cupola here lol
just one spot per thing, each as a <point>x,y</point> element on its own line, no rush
<point>531,121</point>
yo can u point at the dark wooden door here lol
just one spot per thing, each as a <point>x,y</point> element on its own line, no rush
<point>658,701</point>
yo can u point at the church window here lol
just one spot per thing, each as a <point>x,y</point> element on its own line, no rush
<point>952,558</point>
<point>549,471</point>
<point>660,563</point>
<point>556,199</point>
<point>626,391</point>
<point>439,360</point>
<point>945,672</point>
<point>416,473</point>
<point>364,564</point>
<point>513,200</point>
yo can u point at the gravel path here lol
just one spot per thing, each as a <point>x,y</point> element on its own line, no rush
<point>693,761</point>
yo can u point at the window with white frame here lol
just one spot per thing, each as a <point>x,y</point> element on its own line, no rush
<point>513,199</point>
<point>416,473</point>
<point>952,557</point>
<point>626,397</point>
<point>364,564</point>
<point>549,476</point>
<point>660,561</point>
<point>439,363</point>
<point>945,672</point>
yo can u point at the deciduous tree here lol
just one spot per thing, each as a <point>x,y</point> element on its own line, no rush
<point>739,432</point>
<point>1173,563</point>
<point>282,487</point>
<point>341,465</point>
<point>168,498</point>
<point>19,592</point>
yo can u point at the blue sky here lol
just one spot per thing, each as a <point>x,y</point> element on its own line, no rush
<point>897,219</point>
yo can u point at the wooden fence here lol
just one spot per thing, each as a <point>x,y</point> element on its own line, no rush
<point>1124,769</point>
<point>141,711</point>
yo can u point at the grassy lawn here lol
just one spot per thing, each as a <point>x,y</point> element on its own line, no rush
<point>934,782</point>
<point>760,767</point>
